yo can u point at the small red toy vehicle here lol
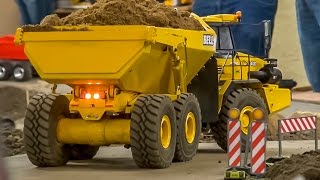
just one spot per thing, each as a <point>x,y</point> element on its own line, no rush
<point>13,61</point>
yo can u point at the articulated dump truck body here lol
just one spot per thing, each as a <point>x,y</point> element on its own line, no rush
<point>134,58</point>
<point>129,87</point>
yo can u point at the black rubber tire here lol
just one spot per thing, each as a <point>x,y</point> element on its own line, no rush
<point>82,152</point>
<point>239,98</point>
<point>187,102</point>
<point>8,70</point>
<point>145,141</point>
<point>40,127</point>
<point>27,74</point>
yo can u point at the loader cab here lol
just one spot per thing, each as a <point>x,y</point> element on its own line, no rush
<point>225,24</point>
<point>225,43</point>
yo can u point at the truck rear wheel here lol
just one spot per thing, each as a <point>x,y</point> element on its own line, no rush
<point>188,126</point>
<point>22,72</point>
<point>153,131</point>
<point>5,71</point>
<point>40,126</point>
<point>245,100</point>
<point>82,152</point>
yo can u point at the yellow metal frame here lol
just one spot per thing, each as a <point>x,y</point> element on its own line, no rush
<point>222,18</point>
<point>241,66</point>
<point>103,132</point>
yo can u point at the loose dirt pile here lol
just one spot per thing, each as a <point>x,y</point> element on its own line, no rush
<point>306,165</point>
<point>122,12</point>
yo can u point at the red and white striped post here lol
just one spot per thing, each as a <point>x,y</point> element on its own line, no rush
<point>258,143</point>
<point>295,125</point>
<point>234,140</point>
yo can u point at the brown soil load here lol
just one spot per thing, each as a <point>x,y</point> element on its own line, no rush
<point>122,12</point>
<point>306,165</point>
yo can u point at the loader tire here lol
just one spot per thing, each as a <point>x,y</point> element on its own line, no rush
<point>239,98</point>
<point>5,71</point>
<point>40,125</point>
<point>82,152</point>
<point>153,131</point>
<point>188,116</point>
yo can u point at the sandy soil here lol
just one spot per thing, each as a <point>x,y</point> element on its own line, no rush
<point>124,12</point>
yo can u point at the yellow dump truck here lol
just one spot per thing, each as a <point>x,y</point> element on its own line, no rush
<point>138,86</point>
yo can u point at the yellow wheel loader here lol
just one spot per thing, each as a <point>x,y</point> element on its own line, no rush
<point>243,81</point>
<point>147,88</point>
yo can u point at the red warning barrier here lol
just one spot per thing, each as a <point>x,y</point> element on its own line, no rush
<point>298,124</point>
<point>258,147</point>
<point>256,141</point>
<point>234,143</point>
<point>295,125</point>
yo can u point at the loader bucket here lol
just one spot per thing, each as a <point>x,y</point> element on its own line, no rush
<point>133,57</point>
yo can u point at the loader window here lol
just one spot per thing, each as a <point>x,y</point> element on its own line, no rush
<point>224,43</point>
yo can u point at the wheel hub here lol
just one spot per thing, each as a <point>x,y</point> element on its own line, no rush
<point>246,118</point>
<point>18,73</point>
<point>165,131</point>
<point>2,72</point>
<point>190,127</point>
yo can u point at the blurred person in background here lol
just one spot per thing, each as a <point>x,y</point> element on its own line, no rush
<point>33,11</point>
<point>308,21</point>
<point>248,35</point>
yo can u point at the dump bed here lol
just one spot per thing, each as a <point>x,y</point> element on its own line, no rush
<point>135,58</point>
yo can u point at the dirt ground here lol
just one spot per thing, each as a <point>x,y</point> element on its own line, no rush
<point>305,165</point>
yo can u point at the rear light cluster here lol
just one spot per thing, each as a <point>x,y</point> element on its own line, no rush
<point>84,94</point>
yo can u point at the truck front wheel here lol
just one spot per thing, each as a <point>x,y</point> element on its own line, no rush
<point>40,126</point>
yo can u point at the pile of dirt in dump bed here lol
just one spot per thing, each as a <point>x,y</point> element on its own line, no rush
<point>122,12</point>
<point>306,166</point>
